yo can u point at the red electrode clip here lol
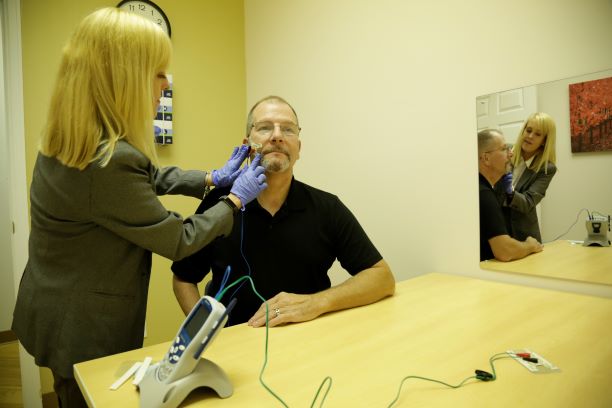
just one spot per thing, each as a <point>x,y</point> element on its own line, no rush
<point>523,355</point>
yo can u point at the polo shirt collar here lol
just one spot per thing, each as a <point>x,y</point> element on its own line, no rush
<point>296,198</point>
<point>484,181</point>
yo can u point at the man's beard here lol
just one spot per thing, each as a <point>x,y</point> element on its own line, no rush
<point>276,164</point>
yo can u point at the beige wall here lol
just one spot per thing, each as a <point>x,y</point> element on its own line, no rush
<point>209,101</point>
<point>386,92</point>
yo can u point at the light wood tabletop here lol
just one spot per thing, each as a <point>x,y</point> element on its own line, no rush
<point>562,260</point>
<point>436,325</point>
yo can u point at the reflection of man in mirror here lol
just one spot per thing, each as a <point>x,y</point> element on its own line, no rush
<point>494,157</point>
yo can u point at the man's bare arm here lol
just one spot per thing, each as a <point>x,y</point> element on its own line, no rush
<point>368,286</point>
<point>186,293</point>
<point>505,248</point>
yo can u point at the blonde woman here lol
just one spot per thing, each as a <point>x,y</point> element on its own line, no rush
<point>95,215</point>
<point>534,167</point>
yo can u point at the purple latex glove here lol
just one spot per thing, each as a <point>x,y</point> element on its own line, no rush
<point>250,182</point>
<point>230,172</point>
<point>506,181</point>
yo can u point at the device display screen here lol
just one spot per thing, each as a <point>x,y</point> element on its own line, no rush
<point>197,319</point>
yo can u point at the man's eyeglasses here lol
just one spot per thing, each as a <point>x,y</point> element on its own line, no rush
<point>267,128</point>
<point>504,148</point>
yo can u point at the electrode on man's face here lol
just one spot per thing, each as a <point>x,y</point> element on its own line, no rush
<point>256,147</point>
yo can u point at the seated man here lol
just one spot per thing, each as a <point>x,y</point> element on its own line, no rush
<point>493,159</point>
<point>286,240</point>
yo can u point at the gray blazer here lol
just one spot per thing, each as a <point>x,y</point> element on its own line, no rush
<point>83,294</point>
<point>530,190</point>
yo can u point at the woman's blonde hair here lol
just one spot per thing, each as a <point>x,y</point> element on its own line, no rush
<point>547,152</point>
<point>104,89</point>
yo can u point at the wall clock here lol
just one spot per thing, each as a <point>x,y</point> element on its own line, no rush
<point>149,10</point>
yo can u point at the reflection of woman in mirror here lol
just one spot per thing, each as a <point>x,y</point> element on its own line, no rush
<point>533,168</point>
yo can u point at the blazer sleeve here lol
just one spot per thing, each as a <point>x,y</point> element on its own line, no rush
<point>195,267</point>
<point>528,195</point>
<point>173,180</point>
<point>123,199</point>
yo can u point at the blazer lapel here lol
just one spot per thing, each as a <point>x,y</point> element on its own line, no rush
<point>526,179</point>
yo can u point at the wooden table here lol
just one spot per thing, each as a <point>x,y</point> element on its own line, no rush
<point>562,260</point>
<point>438,326</point>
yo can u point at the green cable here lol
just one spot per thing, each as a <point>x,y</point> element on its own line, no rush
<point>265,363</point>
<point>426,379</point>
<point>319,390</point>
<point>493,358</point>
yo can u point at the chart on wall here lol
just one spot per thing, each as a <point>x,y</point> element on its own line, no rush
<point>162,125</point>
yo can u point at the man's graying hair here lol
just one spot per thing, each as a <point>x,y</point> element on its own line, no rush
<point>270,98</point>
<point>485,138</point>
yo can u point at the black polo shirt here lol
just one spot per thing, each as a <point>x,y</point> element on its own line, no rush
<point>291,251</point>
<point>492,220</point>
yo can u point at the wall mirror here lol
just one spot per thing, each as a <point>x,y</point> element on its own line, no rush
<point>582,182</point>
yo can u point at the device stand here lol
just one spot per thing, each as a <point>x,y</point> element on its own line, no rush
<point>596,242</point>
<point>597,231</point>
<point>157,394</point>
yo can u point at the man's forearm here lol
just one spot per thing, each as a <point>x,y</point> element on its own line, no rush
<point>186,293</point>
<point>505,248</point>
<point>368,286</point>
